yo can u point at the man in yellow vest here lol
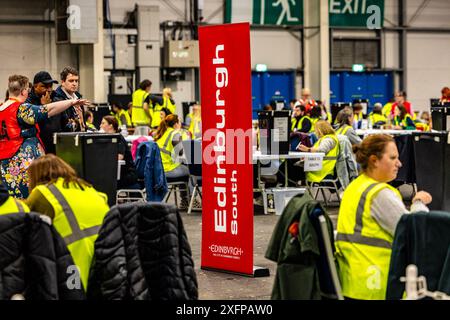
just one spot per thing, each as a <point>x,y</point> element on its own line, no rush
<point>10,205</point>
<point>141,115</point>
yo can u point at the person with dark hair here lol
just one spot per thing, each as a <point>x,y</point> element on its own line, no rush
<point>402,120</point>
<point>8,204</point>
<point>267,107</point>
<point>300,121</point>
<point>141,115</point>
<point>75,207</point>
<point>400,100</point>
<point>368,216</point>
<point>344,126</point>
<point>89,116</point>
<point>42,93</point>
<point>164,113</point>
<point>19,144</point>
<point>68,90</point>
<point>315,114</point>
<point>122,116</point>
<point>128,175</point>
<point>168,138</point>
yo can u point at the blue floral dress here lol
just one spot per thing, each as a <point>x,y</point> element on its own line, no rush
<point>14,170</point>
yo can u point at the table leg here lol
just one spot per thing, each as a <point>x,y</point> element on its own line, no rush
<point>286,180</point>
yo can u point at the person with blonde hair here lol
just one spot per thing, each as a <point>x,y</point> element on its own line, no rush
<point>75,207</point>
<point>195,126</point>
<point>19,133</point>
<point>368,216</point>
<point>329,145</point>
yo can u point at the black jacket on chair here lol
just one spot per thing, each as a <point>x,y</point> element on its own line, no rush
<point>422,239</point>
<point>142,253</point>
<point>34,260</point>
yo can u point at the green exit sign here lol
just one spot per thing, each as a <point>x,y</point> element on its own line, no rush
<point>358,68</point>
<point>261,67</point>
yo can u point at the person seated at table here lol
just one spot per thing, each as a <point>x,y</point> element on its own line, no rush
<point>75,207</point>
<point>329,145</point>
<point>376,117</point>
<point>168,138</point>
<point>128,176</point>
<point>402,119</point>
<point>357,115</point>
<point>122,116</point>
<point>325,114</point>
<point>315,115</point>
<point>89,116</point>
<point>368,215</point>
<point>300,121</point>
<point>344,121</point>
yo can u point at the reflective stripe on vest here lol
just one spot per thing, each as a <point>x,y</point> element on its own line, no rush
<point>328,163</point>
<point>77,222</point>
<point>77,233</point>
<point>343,130</point>
<point>357,237</point>
<point>12,205</point>
<point>363,247</point>
<point>166,148</point>
<point>138,115</point>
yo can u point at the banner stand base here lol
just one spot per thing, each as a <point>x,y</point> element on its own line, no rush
<point>258,272</point>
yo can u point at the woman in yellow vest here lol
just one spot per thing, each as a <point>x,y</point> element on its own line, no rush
<point>76,208</point>
<point>327,144</point>
<point>402,119</point>
<point>369,213</point>
<point>8,204</point>
<point>344,120</point>
<point>168,137</point>
<point>195,127</point>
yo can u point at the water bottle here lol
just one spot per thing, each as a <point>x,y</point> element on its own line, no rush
<point>123,130</point>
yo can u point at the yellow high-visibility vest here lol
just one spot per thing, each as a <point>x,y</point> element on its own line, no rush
<point>167,150</point>
<point>375,117</point>
<point>13,206</point>
<point>139,117</point>
<point>343,130</point>
<point>78,222</point>
<point>300,123</point>
<point>123,113</point>
<point>363,247</point>
<point>195,127</point>
<point>328,164</point>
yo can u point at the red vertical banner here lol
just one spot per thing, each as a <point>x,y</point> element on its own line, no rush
<point>227,171</point>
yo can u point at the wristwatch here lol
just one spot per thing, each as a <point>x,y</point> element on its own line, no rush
<point>309,149</point>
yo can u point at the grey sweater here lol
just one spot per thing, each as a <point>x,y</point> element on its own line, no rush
<point>387,209</point>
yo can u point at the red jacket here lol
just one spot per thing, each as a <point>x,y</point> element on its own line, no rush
<point>10,137</point>
<point>407,106</point>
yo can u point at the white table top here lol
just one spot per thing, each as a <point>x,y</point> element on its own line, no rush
<point>292,155</point>
<point>131,138</point>
<point>361,132</point>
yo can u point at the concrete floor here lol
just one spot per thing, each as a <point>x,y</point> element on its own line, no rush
<point>223,286</point>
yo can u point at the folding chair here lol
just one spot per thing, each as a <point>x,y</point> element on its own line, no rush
<point>193,153</point>
<point>327,262</point>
